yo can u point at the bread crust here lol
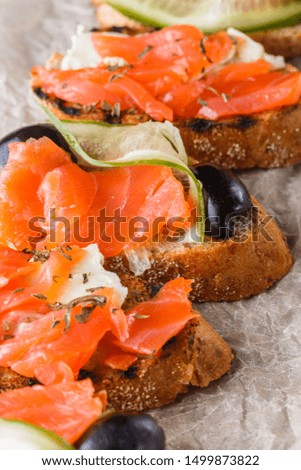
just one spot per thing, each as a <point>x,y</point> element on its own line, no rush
<point>269,139</point>
<point>108,17</point>
<point>222,270</point>
<point>283,41</point>
<point>196,356</point>
<point>10,380</point>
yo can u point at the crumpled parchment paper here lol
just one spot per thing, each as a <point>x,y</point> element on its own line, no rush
<point>258,404</point>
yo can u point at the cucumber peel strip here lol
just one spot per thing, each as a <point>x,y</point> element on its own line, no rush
<point>29,436</point>
<point>101,145</point>
<point>206,15</point>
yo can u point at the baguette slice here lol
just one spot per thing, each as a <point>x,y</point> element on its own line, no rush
<point>269,139</point>
<point>227,270</point>
<point>196,356</point>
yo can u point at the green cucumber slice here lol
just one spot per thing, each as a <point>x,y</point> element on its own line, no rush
<point>101,145</point>
<point>212,15</point>
<point>18,435</point>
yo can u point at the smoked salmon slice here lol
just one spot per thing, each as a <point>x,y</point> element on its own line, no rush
<point>153,323</point>
<point>68,408</point>
<point>63,204</point>
<point>164,74</point>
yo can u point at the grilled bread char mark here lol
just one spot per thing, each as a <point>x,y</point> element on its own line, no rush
<point>269,139</point>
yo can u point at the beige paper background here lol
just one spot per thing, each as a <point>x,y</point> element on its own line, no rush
<point>257,405</point>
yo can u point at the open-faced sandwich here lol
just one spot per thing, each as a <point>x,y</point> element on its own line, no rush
<point>234,104</point>
<point>146,210</point>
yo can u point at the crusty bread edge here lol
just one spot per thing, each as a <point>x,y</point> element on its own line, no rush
<point>196,356</point>
<point>221,270</point>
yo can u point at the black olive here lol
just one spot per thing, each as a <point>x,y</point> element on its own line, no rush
<point>24,133</point>
<point>124,432</point>
<point>226,199</point>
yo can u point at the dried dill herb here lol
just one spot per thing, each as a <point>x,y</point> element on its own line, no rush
<point>39,296</point>
<point>141,317</point>
<point>56,306</point>
<point>94,289</point>
<point>95,301</point>
<point>37,255</point>
<point>225,97</point>
<point>203,48</point>
<point>113,110</point>
<point>144,52</point>
<point>202,102</point>
<point>61,251</point>
<point>55,323</point>
<point>20,289</point>
<point>85,314</point>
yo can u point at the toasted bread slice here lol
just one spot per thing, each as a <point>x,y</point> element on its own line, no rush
<point>227,270</point>
<point>196,356</point>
